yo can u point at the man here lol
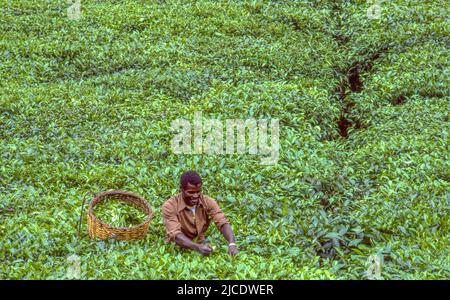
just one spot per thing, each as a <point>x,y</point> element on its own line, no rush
<point>187,217</point>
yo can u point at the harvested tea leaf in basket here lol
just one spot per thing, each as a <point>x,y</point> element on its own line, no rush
<point>118,213</point>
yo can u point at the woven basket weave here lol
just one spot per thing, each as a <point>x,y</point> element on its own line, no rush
<point>101,230</point>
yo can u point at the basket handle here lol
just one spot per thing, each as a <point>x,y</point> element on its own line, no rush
<point>81,213</point>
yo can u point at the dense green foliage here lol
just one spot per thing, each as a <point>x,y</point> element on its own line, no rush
<point>86,105</point>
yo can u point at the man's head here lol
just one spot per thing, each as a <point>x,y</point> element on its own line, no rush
<point>191,187</point>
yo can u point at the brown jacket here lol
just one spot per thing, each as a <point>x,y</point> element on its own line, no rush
<point>179,219</point>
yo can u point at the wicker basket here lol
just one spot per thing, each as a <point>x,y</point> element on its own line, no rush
<point>101,230</point>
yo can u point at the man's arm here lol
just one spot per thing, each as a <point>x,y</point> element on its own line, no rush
<point>183,241</point>
<point>223,224</point>
<point>227,232</point>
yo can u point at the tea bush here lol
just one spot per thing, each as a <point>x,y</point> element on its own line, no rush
<point>86,105</point>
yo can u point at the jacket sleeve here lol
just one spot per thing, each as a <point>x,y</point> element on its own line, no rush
<point>216,213</point>
<point>171,222</point>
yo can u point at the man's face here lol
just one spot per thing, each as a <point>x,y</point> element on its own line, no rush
<point>191,194</point>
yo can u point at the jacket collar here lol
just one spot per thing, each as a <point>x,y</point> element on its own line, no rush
<point>182,205</point>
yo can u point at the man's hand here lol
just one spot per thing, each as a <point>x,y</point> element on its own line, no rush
<point>203,249</point>
<point>232,250</point>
